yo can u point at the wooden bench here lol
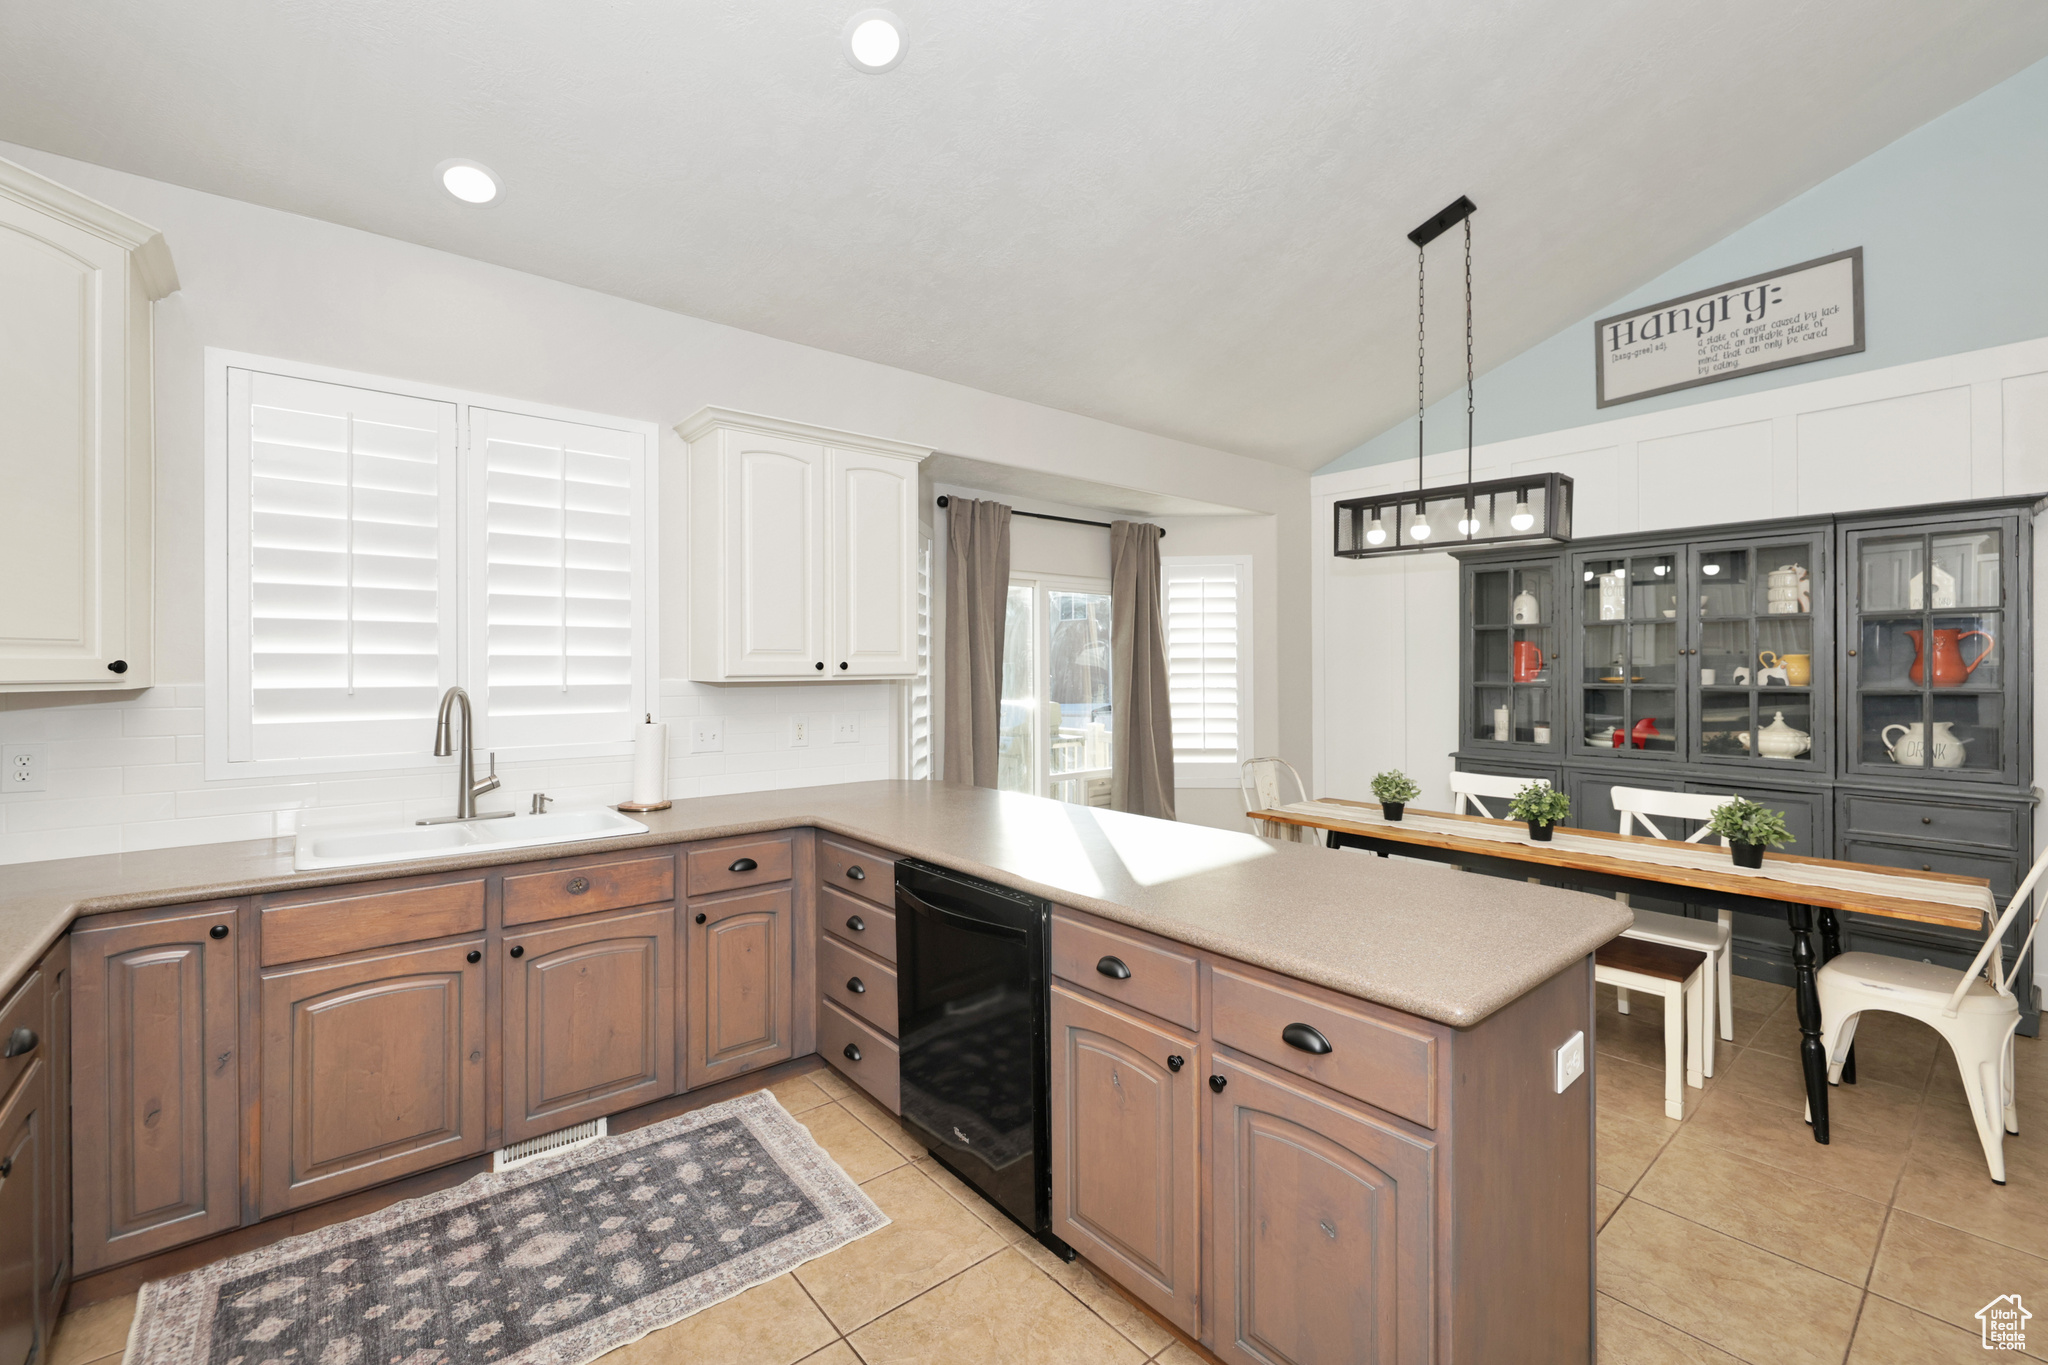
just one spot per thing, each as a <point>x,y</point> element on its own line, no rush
<point>1678,975</point>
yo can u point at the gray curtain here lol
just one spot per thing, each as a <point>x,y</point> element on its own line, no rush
<point>977,598</point>
<point>1141,778</point>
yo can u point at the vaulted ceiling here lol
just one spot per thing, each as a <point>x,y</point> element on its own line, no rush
<point>1186,218</point>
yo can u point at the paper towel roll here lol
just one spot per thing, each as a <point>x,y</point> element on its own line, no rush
<point>650,764</point>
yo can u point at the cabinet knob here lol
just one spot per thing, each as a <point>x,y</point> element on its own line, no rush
<point>856,873</point>
<point>1306,1039</point>
<point>850,1052</point>
<point>1927,867</point>
<point>1926,819</point>
<point>856,923</point>
<point>1852,653</point>
<point>856,985</point>
<point>21,1040</point>
<point>518,950</point>
<point>1114,969</point>
<point>842,667</point>
<point>821,665</point>
<point>118,666</point>
<point>578,885</point>
<point>742,865</point>
<point>6,1166</point>
<point>1216,1083</point>
<point>1175,1063</point>
<point>218,931</point>
<point>476,955</point>
<point>700,917</point>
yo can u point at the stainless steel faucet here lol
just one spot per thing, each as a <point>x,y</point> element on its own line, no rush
<point>467,788</point>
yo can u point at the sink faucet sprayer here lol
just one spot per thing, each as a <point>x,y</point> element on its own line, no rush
<point>467,788</point>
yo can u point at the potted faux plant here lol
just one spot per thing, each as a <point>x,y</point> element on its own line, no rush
<point>1749,827</point>
<point>1542,807</point>
<point>1395,789</point>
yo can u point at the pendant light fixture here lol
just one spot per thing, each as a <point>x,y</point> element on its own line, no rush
<point>1542,503</point>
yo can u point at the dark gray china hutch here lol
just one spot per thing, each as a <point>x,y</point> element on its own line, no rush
<point>1871,675</point>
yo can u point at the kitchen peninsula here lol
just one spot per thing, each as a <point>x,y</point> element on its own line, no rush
<point>1419,1134</point>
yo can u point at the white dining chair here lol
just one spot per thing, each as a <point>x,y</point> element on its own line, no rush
<point>1973,1010</point>
<point>1467,788</point>
<point>1714,937</point>
<point>1267,784</point>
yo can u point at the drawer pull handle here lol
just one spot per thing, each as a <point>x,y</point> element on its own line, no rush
<point>856,923</point>
<point>1307,1039</point>
<point>856,985</point>
<point>578,885</point>
<point>218,931</point>
<point>6,1166</point>
<point>1216,1083</point>
<point>21,1040</point>
<point>850,1052</point>
<point>1114,969</point>
<point>1175,1063</point>
<point>518,951</point>
<point>856,874</point>
<point>743,865</point>
<point>475,955</point>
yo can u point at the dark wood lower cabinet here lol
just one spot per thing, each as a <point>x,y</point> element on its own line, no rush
<point>25,1195</point>
<point>590,1019</point>
<point>373,1068</point>
<point>1126,1152</point>
<point>739,994</point>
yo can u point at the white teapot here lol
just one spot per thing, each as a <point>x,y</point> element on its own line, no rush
<point>1910,748</point>
<point>1779,740</point>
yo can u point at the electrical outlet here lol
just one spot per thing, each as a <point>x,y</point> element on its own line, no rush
<point>846,729</point>
<point>707,736</point>
<point>799,732</point>
<point>21,768</point>
<point>1571,1062</point>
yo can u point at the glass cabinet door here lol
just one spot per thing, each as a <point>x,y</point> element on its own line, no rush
<point>1628,661</point>
<point>1759,662</point>
<point>1512,635</point>
<point>1930,614</point>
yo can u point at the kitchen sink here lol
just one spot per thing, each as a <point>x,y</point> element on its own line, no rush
<point>357,847</point>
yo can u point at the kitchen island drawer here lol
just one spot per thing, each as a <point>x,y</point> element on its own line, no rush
<point>752,860</point>
<point>298,926</point>
<point>857,922</point>
<point>1368,1057</point>
<point>858,983</point>
<point>586,887</point>
<point>861,1053</point>
<point>1137,970</point>
<point>859,870</point>
<point>1991,826</point>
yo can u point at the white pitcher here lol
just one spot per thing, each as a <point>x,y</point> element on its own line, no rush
<point>1910,748</point>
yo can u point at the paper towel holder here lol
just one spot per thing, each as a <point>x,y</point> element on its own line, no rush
<point>637,806</point>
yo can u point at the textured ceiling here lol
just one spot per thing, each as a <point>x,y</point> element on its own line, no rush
<point>1182,217</point>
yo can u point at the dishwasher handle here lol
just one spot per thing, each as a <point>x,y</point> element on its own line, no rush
<point>959,921</point>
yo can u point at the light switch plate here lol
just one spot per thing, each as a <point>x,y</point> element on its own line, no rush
<point>1570,1062</point>
<point>21,768</point>
<point>846,729</point>
<point>707,736</point>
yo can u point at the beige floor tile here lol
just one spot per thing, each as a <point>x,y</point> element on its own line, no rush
<point>798,1093</point>
<point>851,1143</point>
<point>1177,1354</point>
<point>1884,1111</point>
<point>884,1124</point>
<point>1605,1202</point>
<point>1949,1274</point>
<point>1891,1334</point>
<point>1746,1301</point>
<point>771,1324</point>
<point>838,1353</point>
<point>1004,1311</point>
<point>1133,1323</point>
<point>1637,1036</point>
<point>1890,1048</point>
<point>1851,1160</point>
<point>1948,1181</point>
<point>1631,1337</point>
<point>94,1332</point>
<point>1817,1225</point>
<point>1757,997</point>
<point>1635,1090</point>
<point>832,1083</point>
<point>930,1238</point>
<point>1623,1148</point>
<point>999,1223</point>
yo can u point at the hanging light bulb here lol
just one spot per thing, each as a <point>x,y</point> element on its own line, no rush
<point>1418,529</point>
<point>1468,524</point>
<point>1376,534</point>
<point>1522,518</point>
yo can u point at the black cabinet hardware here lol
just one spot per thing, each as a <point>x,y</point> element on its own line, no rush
<point>21,1040</point>
<point>476,955</point>
<point>850,1052</point>
<point>118,666</point>
<point>856,923</point>
<point>1113,968</point>
<point>821,665</point>
<point>518,951</point>
<point>700,917</point>
<point>218,931</point>
<point>1306,1039</point>
<point>856,985</point>
<point>1175,1063</point>
<point>842,667</point>
<point>743,865</point>
<point>855,874</point>
<point>1216,1083</point>
<point>578,885</point>
<point>6,1166</point>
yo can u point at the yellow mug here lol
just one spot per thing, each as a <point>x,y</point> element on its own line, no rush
<point>1798,667</point>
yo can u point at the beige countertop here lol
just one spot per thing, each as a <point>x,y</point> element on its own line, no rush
<point>1443,944</point>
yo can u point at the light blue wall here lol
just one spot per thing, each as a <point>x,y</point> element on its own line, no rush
<point>1953,222</point>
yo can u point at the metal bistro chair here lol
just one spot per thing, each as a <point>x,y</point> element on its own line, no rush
<point>1467,788</point>
<point>1269,783</point>
<point>1974,1010</point>
<point>1713,937</point>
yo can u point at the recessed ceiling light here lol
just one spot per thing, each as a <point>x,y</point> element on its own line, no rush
<point>874,41</point>
<point>474,185</point>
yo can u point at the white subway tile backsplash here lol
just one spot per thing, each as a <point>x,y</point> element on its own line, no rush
<point>164,720</point>
<point>212,829</point>
<point>88,811</point>
<point>226,800</point>
<point>190,749</point>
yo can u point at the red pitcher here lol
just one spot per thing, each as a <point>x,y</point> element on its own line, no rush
<point>1528,661</point>
<point>1949,668</point>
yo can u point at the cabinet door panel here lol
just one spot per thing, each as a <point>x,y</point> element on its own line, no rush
<point>156,1088</point>
<point>1125,1178</point>
<point>739,997</point>
<point>1322,1228</point>
<point>775,608</point>
<point>24,1224</point>
<point>372,1069</point>
<point>872,565</point>
<point>590,1022</point>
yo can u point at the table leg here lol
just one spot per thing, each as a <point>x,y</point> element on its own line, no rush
<point>1812,1057</point>
<point>1830,949</point>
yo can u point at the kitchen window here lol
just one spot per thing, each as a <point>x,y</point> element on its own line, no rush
<point>1056,721</point>
<point>372,543</point>
<point>1208,667</point>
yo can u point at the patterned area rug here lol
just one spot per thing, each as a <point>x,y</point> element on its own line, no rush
<point>552,1264</point>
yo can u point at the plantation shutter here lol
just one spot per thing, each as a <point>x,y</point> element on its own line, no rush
<point>560,596</point>
<point>919,729</point>
<point>1203,673</point>
<point>341,547</point>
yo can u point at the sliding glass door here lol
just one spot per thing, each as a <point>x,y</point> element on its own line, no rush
<point>1057,725</point>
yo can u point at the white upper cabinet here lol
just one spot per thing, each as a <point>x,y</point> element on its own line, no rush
<point>76,283</point>
<point>803,547</point>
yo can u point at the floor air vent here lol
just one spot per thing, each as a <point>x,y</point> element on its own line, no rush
<point>547,1144</point>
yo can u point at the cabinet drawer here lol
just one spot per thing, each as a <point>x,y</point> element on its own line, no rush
<point>841,968</point>
<point>852,869</point>
<point>1370,1059</point>
<point>861,1053</point>
<point>2002,873</point>
<point>299,926</point>
<point>586,888</point>
<point>732,863</point>
<point>867,926</point>
<point>1160,980</point>
<point>1990,826</point>
<point>24,1013</point>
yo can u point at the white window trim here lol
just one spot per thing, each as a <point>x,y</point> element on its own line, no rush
<point>1221,772</point>
<point>218,717</point>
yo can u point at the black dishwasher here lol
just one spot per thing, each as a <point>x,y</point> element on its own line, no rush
<point>972,995</point>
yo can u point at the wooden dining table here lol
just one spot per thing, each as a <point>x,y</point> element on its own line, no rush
<point>1802,889</point>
